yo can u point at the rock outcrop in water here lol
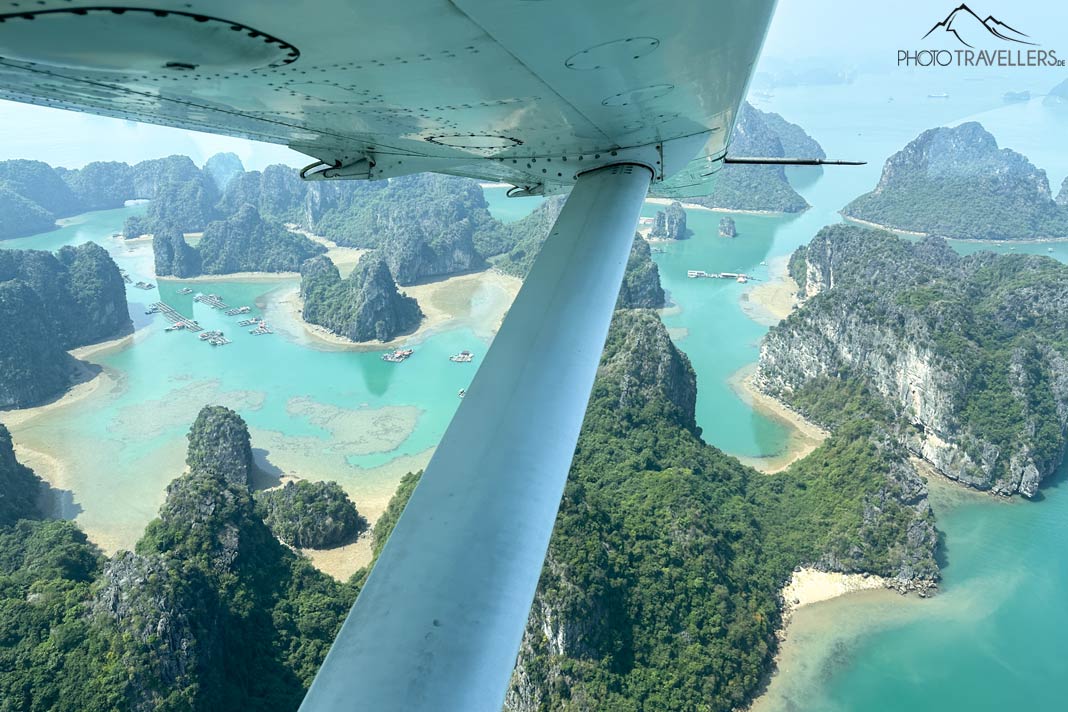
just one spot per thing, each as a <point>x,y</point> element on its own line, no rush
<point>727,228</point>
<point>219,445</point>
<point>670,223</point>
<point>955,182</point>
<point>245,242</point>
<point>365,306</point>
<point>967,355</point>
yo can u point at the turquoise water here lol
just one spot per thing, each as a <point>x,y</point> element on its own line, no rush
<point>314,410</point>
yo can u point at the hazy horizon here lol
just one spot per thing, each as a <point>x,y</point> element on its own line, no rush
<point>824,34</point>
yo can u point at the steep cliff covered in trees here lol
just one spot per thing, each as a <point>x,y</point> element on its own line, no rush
<point>211,612</point>
<point>966,356</point>
<point>667,556</point>
<point>51,303</point>
<point>762,188</point>
<point>364,306</point>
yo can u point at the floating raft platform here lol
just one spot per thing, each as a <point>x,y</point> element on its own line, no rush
<point>174,316</point>
<point>238,310</point>
<point>462,357</point>
<point>263,328</point>
<point>185,290</point>
<point>212,300</point>
<point>701,274</point>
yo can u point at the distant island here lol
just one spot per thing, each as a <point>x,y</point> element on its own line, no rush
<point>1058,95</point>
<point>955,182</point>
<point>961,360</point>
<point>49,304</point>
<point>761,188</point>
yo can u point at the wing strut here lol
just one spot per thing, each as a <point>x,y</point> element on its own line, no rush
<point>439,622</point>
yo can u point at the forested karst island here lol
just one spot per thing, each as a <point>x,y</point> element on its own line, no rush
<point>956,182</point>
<point>49,304</point>
<point>962,360</point>
<point>761,188</point>
<point>364,306</point>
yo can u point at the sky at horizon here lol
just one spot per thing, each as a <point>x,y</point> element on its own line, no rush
<point>803,34</point>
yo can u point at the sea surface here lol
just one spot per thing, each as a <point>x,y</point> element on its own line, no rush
<point>993,639</point>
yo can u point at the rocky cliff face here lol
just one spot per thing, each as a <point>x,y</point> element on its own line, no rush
<point>1062,196</point>
<point>39,183</point>
<point>219,445</point>
<point>51,303</point>
<point>173,255</point>
<point>363,307</point>
<point>670,224</point>
<point>20,488</point>
<point>955,182</point>
<point>968,353</point>
<point>641,281</point>
<point>33,366</point>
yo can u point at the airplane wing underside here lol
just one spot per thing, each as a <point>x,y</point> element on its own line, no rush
<point>529,92</point>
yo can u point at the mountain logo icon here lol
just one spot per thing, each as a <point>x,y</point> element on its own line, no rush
<point>970,29</point>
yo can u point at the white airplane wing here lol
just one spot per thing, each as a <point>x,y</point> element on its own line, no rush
<point>529,92</point>
<point>613,98</point>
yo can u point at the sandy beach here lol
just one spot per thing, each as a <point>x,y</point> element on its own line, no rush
<point>695,206</point>
<point>344,258</point>
<point>479,298</point>
<point>770,302</point>
<point>804,436</point>
<point>808,586</point>
<point>877,226</point>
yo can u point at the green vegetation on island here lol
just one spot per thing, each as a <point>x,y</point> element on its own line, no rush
<point>50,303</point>
<point>967,357</point>
<point>311,515</point>
<point>211,612</point>
<point>955,182</point>
<point>661,586</point>
<point>365,305</point>
<point>245,242</point>
<point>761,188</point>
